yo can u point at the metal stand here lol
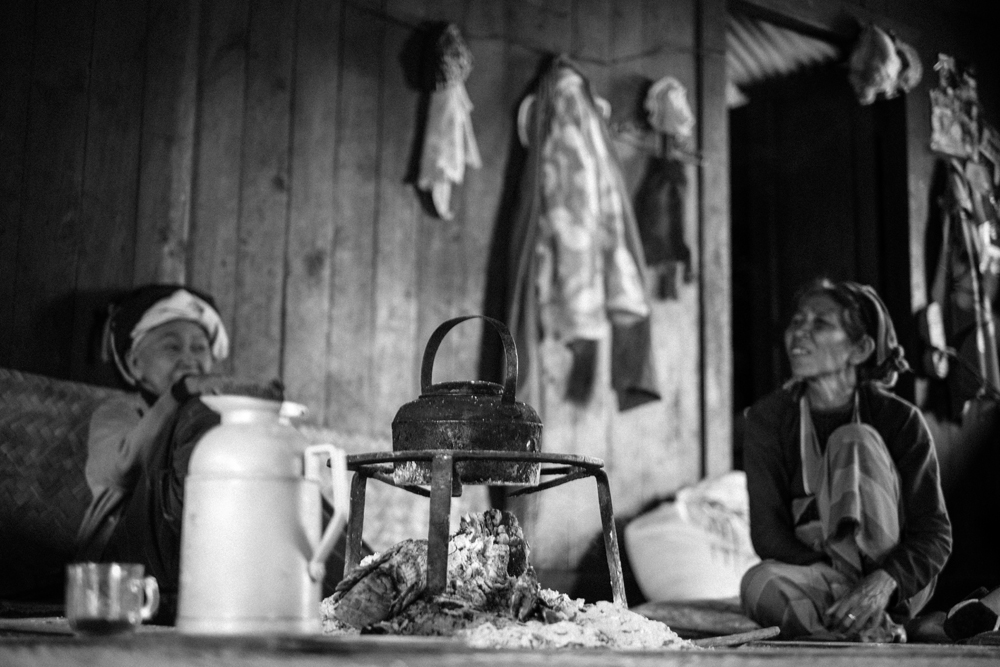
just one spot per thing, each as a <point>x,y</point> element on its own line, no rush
<point>445,484</point>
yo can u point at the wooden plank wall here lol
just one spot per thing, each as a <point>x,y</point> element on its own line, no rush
<point>264,151</point>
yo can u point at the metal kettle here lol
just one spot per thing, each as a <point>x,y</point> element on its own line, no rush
<point>470,415</point>
<point>253,550</point>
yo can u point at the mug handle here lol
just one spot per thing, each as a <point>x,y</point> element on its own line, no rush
<point>152,590</point>
<point>314,455</point>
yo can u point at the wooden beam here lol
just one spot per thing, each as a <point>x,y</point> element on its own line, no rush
<point>49,225</point>
<point>263,229</point>
<point>164,208</point>
<point>216,190</point>
<point>17,23</point>
<point>312,214</point>
<point>714,273</point>
<point>108,202</point>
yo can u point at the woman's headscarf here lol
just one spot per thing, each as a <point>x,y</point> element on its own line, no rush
<point>131,318</point>
<point>867,310</point>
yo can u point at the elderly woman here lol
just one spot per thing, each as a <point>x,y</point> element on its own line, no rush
<point>846,508</point>
<point>164,340</point>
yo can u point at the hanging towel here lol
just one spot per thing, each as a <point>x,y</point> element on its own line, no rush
<point>449,143</point>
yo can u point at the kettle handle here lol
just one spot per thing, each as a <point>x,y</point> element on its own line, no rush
<point>315,458</point>
<point>509,353</point>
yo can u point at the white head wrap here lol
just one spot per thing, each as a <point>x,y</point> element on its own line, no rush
<point>183,305</point>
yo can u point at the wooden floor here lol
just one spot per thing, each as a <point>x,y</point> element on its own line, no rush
<point>31,642</point>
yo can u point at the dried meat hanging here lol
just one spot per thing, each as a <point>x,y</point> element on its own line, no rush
<point>449,144</point>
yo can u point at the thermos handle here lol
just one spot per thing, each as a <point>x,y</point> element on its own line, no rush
<point>315,458</point>
<point>509,353</point>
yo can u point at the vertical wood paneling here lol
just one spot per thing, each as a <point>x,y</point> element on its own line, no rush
<point>263,229</point>
<point>167,141</point>
<point>669,25</point>
<point>653,450</point>
<point>216,187</point>
<point>49,223</point>
<point>715,327</point>
<point>312,214</point>
<point>626,31</point>
<point>591,21</point>
<point>394,336</point>
<point>108,203</point>
<point>486,20</point>
<point>17,20</point>
<point>441,263</point>
<point>492,115</point>
<point>541,25</point>
<point>349,360</point>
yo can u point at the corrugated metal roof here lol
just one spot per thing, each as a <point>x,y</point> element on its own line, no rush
<point>758,50</point>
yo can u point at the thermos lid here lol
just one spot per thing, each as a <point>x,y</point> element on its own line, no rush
<point>251,441</point>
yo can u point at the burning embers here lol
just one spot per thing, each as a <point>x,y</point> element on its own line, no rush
<point>492,597</point>
<point>488,571</point>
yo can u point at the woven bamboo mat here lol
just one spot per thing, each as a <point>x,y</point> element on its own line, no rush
<point>43,492</point>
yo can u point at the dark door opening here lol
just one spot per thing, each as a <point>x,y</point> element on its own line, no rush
<point>819,188</point>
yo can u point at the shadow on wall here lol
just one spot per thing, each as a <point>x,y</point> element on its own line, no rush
<point>64,338</point>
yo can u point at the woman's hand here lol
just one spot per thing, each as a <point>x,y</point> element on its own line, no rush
<point>863,606</point>
<point>211,383</point>
<point>197,384</point>
<point>207,383</point>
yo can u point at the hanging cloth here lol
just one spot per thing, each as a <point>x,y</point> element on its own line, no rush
<point>576,253</point>
<point>660,200</point>
<point>659,211</point>
<point>449,143</point>
<point>964,290</point>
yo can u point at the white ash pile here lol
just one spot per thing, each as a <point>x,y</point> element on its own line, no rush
<point>492,600</point>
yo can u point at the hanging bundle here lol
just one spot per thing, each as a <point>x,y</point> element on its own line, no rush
<point>668,108</point>
<point>449,143</point>
<point>882,66</point>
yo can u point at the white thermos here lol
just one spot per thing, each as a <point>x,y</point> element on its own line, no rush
<point>253,549</point>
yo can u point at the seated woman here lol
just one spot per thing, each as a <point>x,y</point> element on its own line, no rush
<point>846,507</point>
<point>164,340</point>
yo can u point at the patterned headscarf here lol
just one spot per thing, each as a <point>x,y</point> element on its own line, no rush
<point>864,304</point>
<point>130,319</point>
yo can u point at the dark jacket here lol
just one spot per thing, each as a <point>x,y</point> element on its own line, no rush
<point>774,477</point>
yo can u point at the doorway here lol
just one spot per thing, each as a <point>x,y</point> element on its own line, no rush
<point>819,188</point>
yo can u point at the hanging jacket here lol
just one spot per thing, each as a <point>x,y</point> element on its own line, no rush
<point>578,266</point>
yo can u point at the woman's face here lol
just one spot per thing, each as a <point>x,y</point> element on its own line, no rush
<point>816,341</point>
<point>169,352</point>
